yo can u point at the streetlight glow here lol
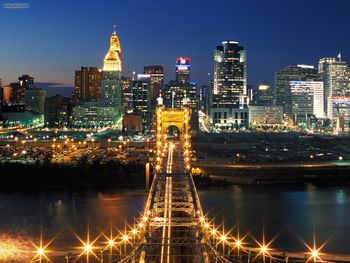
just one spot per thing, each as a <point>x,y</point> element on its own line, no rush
<point>87,248</point>
<point>41,251</point>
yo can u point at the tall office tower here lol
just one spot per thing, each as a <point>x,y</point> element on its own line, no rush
<point>34,100</point>
<point>230,85</point>
<point>6,94</point>
<point>17,93</point>
<point>141,98</point>
<point>157,78</point>
<point>264,95</point>
<point>18,88</point>
<point>141,94</point>
<point>230,74</point>
<point>177,95</point>
<point>26,81</point>
<point>204,98</point>
<point>126,84</point>
<point>182,70</point>
<point>0,83</point>
<point>307,99</point>
<point>283,95</point>
<point>336,77</point>
<point>57,111</point>
<point>111,85</point>
<point>87,84</point>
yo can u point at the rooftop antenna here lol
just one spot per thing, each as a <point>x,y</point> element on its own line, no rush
<point>339,56</point>
<point>114,27</point>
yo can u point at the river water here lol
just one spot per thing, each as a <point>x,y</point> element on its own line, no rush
<point>287,214</point>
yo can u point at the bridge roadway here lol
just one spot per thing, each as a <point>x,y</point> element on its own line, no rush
<point>174,233</point>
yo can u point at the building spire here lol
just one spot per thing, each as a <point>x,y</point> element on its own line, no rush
<point>112,61</point>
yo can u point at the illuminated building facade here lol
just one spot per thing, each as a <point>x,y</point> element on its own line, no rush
<point>283,94</point>
<point>182,70</point>
<point>126,94</point>
<point>87,84</point>
<point>6,94</point>
<point>307,99</point>
<point>93,114</point>
<point>264,95</point>
<point>157,80</point>
<point>112,69</point>
<point>229,86</point>
<point>230,75</point>
<point>141,98</point>
<point>265,115</point>
<point>230,118</point>
<point>176,95</point>
<point>341,111</point>
<point>336,77</point>
<point>34,100</point>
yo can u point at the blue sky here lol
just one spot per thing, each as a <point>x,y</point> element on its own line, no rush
<point>51,39</point>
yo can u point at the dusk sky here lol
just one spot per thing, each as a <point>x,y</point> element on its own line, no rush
<point>51,39</point>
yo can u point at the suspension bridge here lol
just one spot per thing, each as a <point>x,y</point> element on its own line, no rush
<point>173,228</point>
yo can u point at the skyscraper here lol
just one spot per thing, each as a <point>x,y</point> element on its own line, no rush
<point>307,99</point>
<point>230,85</point>
<point>26,81</point>
<point>336,78</point>
<point>6,95</point>
<point>177,95</point>
<point>18,88</point>
<point>87,84</point>
<point>182,70</point>
<point>126,94</point>
<point>34,100</point>
<point>283,95</point>
<point>111,85</point>
<point>157,78</point>
<point>141,94</point>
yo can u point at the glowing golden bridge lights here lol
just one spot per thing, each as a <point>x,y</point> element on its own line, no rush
<point>314,254</point>
<point>15,249</point>
<point>41,251</point>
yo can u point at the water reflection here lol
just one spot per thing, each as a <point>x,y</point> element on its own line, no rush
<point>287,213</point>
<point>290,212</point>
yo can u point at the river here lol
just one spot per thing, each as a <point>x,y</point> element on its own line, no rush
<point>288,214</point>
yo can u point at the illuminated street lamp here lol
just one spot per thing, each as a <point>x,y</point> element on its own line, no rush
<point>87,248</point>
<point>147,142</point>
<point>340,158</point>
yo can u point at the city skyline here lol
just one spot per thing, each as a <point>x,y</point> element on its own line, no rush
<point>85,46</point>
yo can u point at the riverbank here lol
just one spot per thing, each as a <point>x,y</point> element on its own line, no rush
<point>324,175</point>
<point>18,176</point>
